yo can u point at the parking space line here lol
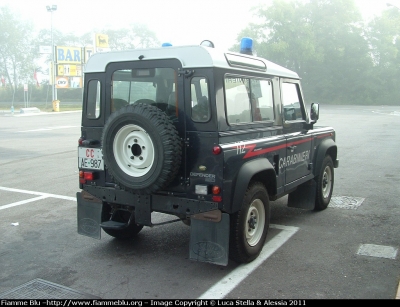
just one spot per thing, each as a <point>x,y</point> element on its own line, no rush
<point>22,202</point>
<point>42,195</point>
<point>49,128</point>
<point>230,281</point>
<point>225,285</point>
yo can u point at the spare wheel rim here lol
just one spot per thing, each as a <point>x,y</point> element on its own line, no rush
<point>133,150</point>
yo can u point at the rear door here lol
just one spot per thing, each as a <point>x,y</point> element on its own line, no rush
<point>154,82</point>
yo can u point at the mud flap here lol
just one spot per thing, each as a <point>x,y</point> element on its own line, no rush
<point>89,215</point>
<point>304,196</point>
<point>209,238</point>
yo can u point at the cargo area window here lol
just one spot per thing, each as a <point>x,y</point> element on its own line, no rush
<point>248,100</point>
<point>93,100</point>
<point>200,99</point>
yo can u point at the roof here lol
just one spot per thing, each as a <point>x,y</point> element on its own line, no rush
<point>191,57</point>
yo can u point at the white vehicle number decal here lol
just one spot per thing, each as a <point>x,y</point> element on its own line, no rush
<point>91,158</point>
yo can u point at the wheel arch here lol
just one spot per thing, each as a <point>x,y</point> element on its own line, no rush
<point>327,147</point>
<point>259,170</point>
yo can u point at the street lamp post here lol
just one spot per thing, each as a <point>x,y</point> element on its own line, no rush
<point>51,9</point>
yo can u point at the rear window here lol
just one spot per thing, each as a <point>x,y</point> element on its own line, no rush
<point>155,86</point>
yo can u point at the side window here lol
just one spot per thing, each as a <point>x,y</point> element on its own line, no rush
<point>248,100</point>
<point>93,100</point>
<point>200,99</point>
<point>237,100</point>
<point>291,102</point>
<point>261,100</point>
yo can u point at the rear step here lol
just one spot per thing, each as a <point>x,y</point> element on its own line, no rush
<point>113,225</point>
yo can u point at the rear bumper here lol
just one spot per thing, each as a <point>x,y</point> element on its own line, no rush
<point>209,233</point>
<point>145,204</point>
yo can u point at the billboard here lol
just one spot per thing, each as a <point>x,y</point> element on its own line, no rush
<point>68,82</point>
<point>69,70</point>
<point>69,55</point>
<point>101,40</point>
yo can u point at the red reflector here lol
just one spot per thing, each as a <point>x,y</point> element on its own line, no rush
<point>217,198</point>
<point>81,180</point>
<point>217,150</point>
<point>216,189</point>
<point>88,176</point>
<point>80,141</point>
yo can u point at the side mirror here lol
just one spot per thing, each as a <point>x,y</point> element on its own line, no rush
<point>314,112</point>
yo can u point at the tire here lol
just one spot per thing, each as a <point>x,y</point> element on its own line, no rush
<point>249,226</point>
<point>187,222</point>
<point>120,216</point>
<point>146,101</point>
<point>141,148</point>
<point>325,181</point>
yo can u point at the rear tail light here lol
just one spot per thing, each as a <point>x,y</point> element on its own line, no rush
<point>205,190</point>
<point>80,141</point>
<point>86,176</point>
<point>217,198</point>
<point>81,175</point>
<point>216,150</point>
<point>216,190</point>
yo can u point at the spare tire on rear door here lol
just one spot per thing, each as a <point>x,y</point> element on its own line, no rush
<point>141,148</point>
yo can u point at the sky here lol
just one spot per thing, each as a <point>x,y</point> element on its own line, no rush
<point>180,22</point>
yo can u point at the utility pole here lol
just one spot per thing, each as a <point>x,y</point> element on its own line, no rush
<point>52,9</point>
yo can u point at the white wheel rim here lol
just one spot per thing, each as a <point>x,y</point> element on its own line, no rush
<point>133,150</point>
<point>255,222</point>
<point>327,182</point>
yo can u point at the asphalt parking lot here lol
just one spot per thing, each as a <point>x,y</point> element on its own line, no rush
<point>349,251</point>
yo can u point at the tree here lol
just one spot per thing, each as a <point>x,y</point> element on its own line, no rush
<point>136,36</point>
<point>384,39</point>
<point>322,40</point>
<point>16,63</point>
<point>20,56</point>
<point>339,29</point>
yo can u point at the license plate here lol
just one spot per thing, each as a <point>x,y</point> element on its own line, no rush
<point>91,158</point>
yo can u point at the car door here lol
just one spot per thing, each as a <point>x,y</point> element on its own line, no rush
<point>298,141</point>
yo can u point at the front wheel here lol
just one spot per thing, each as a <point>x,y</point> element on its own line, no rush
<point>325,181</point>
<point>249,226</point>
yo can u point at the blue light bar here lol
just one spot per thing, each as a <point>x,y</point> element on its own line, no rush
<point>166,45</point>
<point>246,45</point>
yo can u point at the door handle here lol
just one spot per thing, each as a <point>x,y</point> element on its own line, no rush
<point>292,148</point>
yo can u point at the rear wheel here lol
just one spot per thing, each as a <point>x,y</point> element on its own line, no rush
<point>121,216</point>
<point>325,182</point>
<point>249,226</point>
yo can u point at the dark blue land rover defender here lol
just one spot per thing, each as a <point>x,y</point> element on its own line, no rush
<point>208,136</point>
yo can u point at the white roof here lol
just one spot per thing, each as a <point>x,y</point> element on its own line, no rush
<point>190,56</point>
